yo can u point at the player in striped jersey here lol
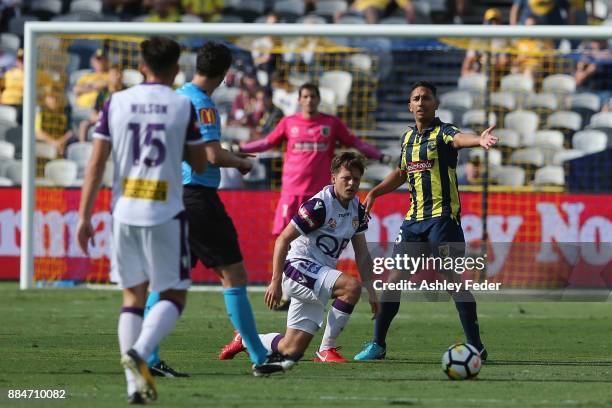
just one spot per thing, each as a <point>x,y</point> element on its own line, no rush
<point>149,129</point>
<point>428,164</point>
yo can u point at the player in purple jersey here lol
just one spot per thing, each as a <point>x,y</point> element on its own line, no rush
<point>304,265</point>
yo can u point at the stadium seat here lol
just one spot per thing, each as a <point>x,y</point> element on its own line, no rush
<point>7,150</point>
<point>361,62</point>
<point>13,171</point>
<point>457,99</point>
<point>80,154</point>
<point>329,8</point>
<point>601,120</point>
<point>349,19</point>
<point>549,175</point>
<point>225,96</point>
<point>445,115</point>
<point>231,178</point>
<point>187,63</point>
<point>179,79</point>
<point>132,77</point>
<point>236,133</point>
<point>505,101</point>
<point>94,6</point>
<point>473,83</point>
<point>248,10</point>
<point>311,19</point>
<point>340,82</point>
<point>45,9</point>
<point>285,101</point>
<point>10,42</point>
<point>477,119</point>
<point>8,113</point>
<point>567,154</point>
<point>495,156</point>
<point>61,172</point>
<point>524,122</point>
<point>328,101</point>
<point>541,101</point>
<point>520,85</point>
<point>564,120</point>
<point>393,20</point>
<point>230,18</point>
<point>5,127</point>
<point>586,104</point>
<point>14,135</point>
<point>190,18</point>
<point>508,137</point>
<point>377,172</point>
<point>257,173</point>
<point>559,85</point>
<point>549,142</point>
<point>289,10</point>
<point>590,141</point>
<point>5,182</point>
<point>512,176</point>
<point>45,150</point>
<point>529,157</point>
<point>4,163</point>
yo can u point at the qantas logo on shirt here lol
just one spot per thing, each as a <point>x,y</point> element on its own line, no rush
<point>208,116</point>
<point>416,166</point>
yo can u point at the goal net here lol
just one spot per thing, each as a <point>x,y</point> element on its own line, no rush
<point>549,176</point>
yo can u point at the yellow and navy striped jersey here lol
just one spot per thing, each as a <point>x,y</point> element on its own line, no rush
<point>430,162</point>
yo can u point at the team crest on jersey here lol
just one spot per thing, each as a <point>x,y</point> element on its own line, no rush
<point>431,146</point>
<point>325,131</point>
<point>355,223</point>
<point>332,223</point>
<point>294,131</point>
<point>208,116</point>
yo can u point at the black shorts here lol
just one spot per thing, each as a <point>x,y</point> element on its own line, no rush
<point>212,236</point>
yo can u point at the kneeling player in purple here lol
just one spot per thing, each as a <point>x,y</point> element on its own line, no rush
<point>304,265</point>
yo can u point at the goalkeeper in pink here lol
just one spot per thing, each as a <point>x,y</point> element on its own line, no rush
<point>311,138</point>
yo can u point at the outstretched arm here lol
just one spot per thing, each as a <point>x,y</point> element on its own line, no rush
<point>486,139</point>
<point>393,180</point>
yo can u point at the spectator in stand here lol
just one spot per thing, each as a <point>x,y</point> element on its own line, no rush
<point>89,85</point>
<point>475,57</point>
<point>265,115</point>
<point>243,104</point>
<point>594,71</point>
<point>125,9</point>
<point>374,10</point>
<point>577,12</point>
<point>52,121</point>
<point>163,11</point>
<point>472,173</point>
<point>545,12</point>
<point>8,60</point>
<point>8,10</point>
<point>13,83</point>
<point>263,59</point>
<point>531,53</point>
<point>207,10</point>
<point>115,83</point>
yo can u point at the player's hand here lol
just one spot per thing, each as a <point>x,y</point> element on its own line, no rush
<point>85,234</point>
<point>487,139</point>
<point>245,166</point>
<point>369,203</point>
<point>274,294</point>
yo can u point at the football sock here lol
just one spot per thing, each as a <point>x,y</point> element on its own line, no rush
<point>241,315</point>
<point>156,326</point>
<point>129,326</point>
<point>270,341</point>
<point>337,317</point>
<point>151,301</point>
<point>388,310</point>
<point>469,318</point>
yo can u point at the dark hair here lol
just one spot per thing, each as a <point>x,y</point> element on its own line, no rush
<point>266,91</point>
<point>424,84</point>
<point>160,54</point>
<point>214,59</point>
<point>311,87</point>
<point>348,160</point>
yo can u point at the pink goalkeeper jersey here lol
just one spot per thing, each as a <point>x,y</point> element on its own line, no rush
<point>310,149</point>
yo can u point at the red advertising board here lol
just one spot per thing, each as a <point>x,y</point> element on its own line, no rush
<point>512,218</point>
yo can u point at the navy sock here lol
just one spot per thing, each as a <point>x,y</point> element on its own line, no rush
<point>469,319</point>
<point>388,310</point>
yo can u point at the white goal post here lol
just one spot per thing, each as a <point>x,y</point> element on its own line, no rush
<point>33,30</point>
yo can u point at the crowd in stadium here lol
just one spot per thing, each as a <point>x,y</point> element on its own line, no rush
<point>551,103</point>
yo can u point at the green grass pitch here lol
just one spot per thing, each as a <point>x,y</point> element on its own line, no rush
<point>541,355</point>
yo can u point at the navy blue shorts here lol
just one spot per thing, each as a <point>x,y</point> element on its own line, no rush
<point>440,236</point>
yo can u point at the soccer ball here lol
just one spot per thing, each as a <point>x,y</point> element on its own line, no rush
<point>461,362</point>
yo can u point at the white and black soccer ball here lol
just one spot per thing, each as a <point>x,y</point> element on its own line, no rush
<point>461,362</point>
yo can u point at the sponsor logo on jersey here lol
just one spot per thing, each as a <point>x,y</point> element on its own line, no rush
<point>355,223</point>
<point>155,190</point>
<point>421,165</point>
<point>332,223</point>
<point>208,116</point>
<point>305,215</point>
<point>325,131</point>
